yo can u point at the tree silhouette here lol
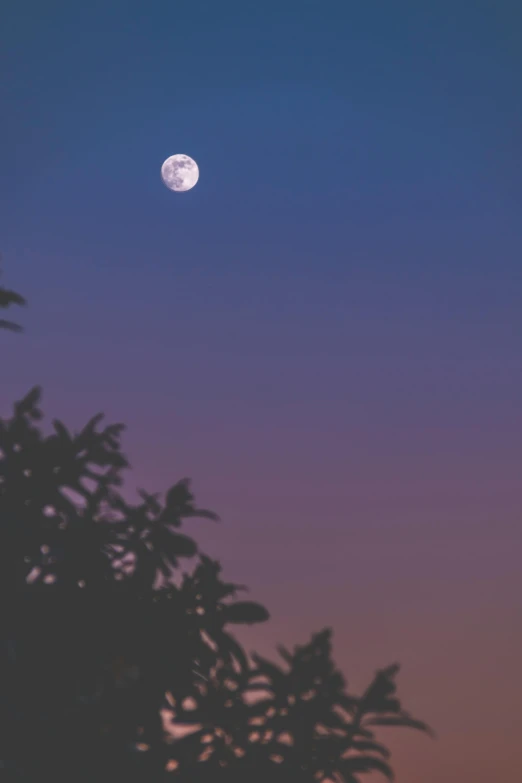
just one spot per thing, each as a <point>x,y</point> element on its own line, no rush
<point>118,665</point>
<point>8,298</point>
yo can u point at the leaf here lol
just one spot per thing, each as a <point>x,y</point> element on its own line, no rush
<point>10,326</point>
<point>8,297</point>
<point>89,430</point>
<point>399,720</point>
<point>175,545</point>
<point>179,495</point>
<point>271,670</point>
<point>365,764</point>
<point>333,720</point>
<point>377,696</point>
<point>348,703</point>
<point>151,501</point>
<point>179,504</point>
<point>368,746</point>
<point>245,612</point>
<point>27,405</point>
<point>227,589</point>
<point>62,431</point>
<point>228,644</point>
<point>286,654</point>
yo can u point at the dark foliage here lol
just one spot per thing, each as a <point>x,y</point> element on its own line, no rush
<point>118,666</point>
<point>8,298</point>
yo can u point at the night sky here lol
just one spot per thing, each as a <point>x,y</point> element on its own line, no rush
<point>325,333</point>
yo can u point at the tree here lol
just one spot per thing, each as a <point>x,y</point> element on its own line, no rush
<point>117,665</point>
<point>8,298</point>
<point>111,653</point>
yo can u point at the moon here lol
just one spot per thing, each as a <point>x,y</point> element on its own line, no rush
<point>180,173</point>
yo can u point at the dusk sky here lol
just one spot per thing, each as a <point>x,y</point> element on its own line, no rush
<point>325,333</point>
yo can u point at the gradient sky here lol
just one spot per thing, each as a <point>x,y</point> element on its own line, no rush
<point>326,333</point>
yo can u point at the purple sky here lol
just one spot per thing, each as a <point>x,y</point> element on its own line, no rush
<point>325,334</point>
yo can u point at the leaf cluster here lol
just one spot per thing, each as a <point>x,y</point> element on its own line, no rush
<point>119,664</point>
<point>8,298</point>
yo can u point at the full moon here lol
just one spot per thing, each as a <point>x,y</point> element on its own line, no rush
<point>180,173</point>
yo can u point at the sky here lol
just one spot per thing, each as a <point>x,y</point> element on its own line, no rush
<point>325,333</point>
